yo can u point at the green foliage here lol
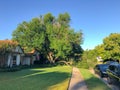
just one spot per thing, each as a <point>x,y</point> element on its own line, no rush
<point>82,64</point>
<point>52,36</point>
<point>64,19</point>
<point>30,34</point>
<point>112,45</point>
<point>110,49</point>
<point>48,18</point>
<point>89,56</point>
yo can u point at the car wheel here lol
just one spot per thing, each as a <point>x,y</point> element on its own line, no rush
<point>109,80</point>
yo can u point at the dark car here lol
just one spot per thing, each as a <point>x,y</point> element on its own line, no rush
<point>110,61</point>
<point>113,72</point>
<point>100,69</point>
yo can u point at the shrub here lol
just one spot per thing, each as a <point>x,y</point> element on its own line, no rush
<point>82,64</point>
<point>10,69</point>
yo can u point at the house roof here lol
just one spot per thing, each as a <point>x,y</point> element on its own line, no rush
<point>8,45</point>
<point>32,52</point>
<point>8,42</point>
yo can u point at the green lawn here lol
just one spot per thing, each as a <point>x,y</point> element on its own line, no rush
<point>93,82</point>
<point>53,78</point>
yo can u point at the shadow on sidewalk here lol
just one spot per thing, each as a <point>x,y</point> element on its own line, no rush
<point>79,86</point>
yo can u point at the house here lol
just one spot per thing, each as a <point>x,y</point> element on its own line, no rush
<point>30,57</point>
<point>11,53</point>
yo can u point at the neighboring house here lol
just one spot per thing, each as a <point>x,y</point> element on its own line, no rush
<point>30,57</point>
<point>11,53</point>
<point>15,57</point>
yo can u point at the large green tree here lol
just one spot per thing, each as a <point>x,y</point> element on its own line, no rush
<point>112,45</point>
<point>30,35</point>
<point>52,36</point>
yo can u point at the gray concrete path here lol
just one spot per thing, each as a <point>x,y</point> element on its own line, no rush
<point>77,82</point>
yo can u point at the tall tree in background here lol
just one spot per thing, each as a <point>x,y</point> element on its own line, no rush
<point>110,49</point>
<point>112,45</point>
<point>53,37</point>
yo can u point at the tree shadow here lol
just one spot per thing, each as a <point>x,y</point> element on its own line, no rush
<point>35,80</point>
<point>79,86</point>
<point>95,85</point>
<point>7,76</point>
<point>47,80</point>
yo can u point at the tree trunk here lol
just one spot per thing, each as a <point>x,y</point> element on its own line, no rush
<point>51,57</point>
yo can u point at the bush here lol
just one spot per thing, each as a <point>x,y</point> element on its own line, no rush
<point>82,64</point>
<point>37,62</point>
<point>25,66</point>
<point>10,69</point>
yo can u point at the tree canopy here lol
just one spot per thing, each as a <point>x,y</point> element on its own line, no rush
<point>112,45</point>
<point>52,36</point>
<point>109,49</point>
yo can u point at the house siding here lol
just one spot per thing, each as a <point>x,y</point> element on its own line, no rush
<point>9,58</point>
<point>26,61</point>
<point>18,60</point>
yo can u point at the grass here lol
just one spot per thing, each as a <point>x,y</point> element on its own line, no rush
<point>53,78</point>
<point>92,81</point>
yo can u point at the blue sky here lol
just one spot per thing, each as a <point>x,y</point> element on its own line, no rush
<point>96,18</point>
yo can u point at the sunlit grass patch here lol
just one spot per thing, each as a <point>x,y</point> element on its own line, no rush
<point>61,86</point>
<point>92,81</point>
<point>36,79</point>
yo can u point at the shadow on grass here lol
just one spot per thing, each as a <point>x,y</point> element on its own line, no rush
<point>46,80</point>
<point>96,84</point>
<point>35,80</point>
<point>92,84</point>
<point>6,76</point>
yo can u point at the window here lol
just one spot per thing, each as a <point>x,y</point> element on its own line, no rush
<point>14,60</point>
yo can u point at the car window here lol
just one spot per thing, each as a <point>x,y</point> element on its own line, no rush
<point>104,67</point>
<point>112,68</point>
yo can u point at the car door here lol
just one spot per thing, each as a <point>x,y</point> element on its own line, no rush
<point>111,72</point>
<point>116,73</point>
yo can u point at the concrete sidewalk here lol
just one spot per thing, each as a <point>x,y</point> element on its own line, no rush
<point>77,82</point>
